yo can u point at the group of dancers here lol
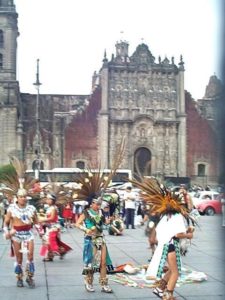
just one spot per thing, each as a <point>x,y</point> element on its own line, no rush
<point>171,227</point>
<point>19,222</point>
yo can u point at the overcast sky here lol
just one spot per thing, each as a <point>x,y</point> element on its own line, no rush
<point>70,37</point>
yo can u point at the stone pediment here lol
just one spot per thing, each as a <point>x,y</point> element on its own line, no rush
<point>143,118</point>
<point>142,55</point>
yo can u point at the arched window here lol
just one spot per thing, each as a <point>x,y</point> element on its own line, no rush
<point>80,164</point>
<point>1,39</point>
<point>1,61</point>
<point>201,170</point>
<point>38,164</point>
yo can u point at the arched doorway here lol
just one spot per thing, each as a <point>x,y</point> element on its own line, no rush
<point>142,162</point>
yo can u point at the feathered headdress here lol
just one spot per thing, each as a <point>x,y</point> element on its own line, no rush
<point>59,193</point>
<point>17,181</point>
<point>91,185</point>
<point>159,198</point>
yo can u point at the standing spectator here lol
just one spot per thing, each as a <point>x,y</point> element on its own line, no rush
<point>6,201</point>
<point>37,187</point>
<point>67,214</point>
<point>77,210</point>
<point>2,213</point>
<point>129,199</point>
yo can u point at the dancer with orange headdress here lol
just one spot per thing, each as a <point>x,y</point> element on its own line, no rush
<point>170,229</point>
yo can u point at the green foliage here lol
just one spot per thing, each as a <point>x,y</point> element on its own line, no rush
<point>7,169</point>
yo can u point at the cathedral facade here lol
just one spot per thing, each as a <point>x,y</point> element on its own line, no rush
<point>135,97</point>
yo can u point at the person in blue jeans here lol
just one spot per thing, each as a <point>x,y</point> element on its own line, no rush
<point>130,202</point>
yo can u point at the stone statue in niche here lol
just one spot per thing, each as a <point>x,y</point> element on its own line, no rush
<point>142,102</point>
<point>56,154</point>
<point>160,144</point>
<point>172,164</point>
<point>167,166</point>
<point>120,132</point>
<point>28,145</point>
<point>130,102</point>
<point>159,162</point>
<point>142,132</point>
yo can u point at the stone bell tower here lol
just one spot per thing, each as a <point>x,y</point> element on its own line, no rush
<point>11,129</point>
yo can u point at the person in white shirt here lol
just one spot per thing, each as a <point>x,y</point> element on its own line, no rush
<point>129,199</point>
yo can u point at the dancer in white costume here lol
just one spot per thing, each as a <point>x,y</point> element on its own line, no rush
<point>170,229</point>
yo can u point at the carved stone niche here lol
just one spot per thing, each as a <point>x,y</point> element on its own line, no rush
<point>28,147</point>
<point>56,153</point>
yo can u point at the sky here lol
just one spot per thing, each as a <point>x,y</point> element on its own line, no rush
<point>70,37</point>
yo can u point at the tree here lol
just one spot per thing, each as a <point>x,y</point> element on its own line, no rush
<point>7,169</point>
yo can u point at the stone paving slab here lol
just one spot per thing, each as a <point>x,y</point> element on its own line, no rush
<point>62,279</point>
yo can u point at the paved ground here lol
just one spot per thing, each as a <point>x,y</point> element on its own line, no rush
<point>61,280</point>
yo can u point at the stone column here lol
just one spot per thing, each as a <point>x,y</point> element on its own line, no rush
<point>182,148</point>
<point>56,143</point>
<point>20,133</point>
<point>103,121</point>
<point>8,137</point>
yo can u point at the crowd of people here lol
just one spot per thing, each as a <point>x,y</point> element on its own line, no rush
<point>167,218</point>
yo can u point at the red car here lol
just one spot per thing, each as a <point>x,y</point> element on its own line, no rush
<point>210,206</point>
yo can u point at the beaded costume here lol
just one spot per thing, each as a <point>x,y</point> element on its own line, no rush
<point>20,216</point>
<point>22,233</point>
<point>93,244</point>
<point>91,189</point>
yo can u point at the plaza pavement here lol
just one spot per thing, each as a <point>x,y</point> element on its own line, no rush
<point>62,280</point>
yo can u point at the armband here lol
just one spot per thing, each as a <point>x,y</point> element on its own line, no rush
<point>83,228</point>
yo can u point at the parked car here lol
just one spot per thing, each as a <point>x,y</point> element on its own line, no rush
<point>210,206</point>
<point>200,196</point>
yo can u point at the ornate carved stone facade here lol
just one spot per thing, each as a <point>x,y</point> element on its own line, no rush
<point>143,101</point>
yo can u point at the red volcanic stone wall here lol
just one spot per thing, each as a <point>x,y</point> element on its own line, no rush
<point>81,134</point>
<point>201,140</point>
